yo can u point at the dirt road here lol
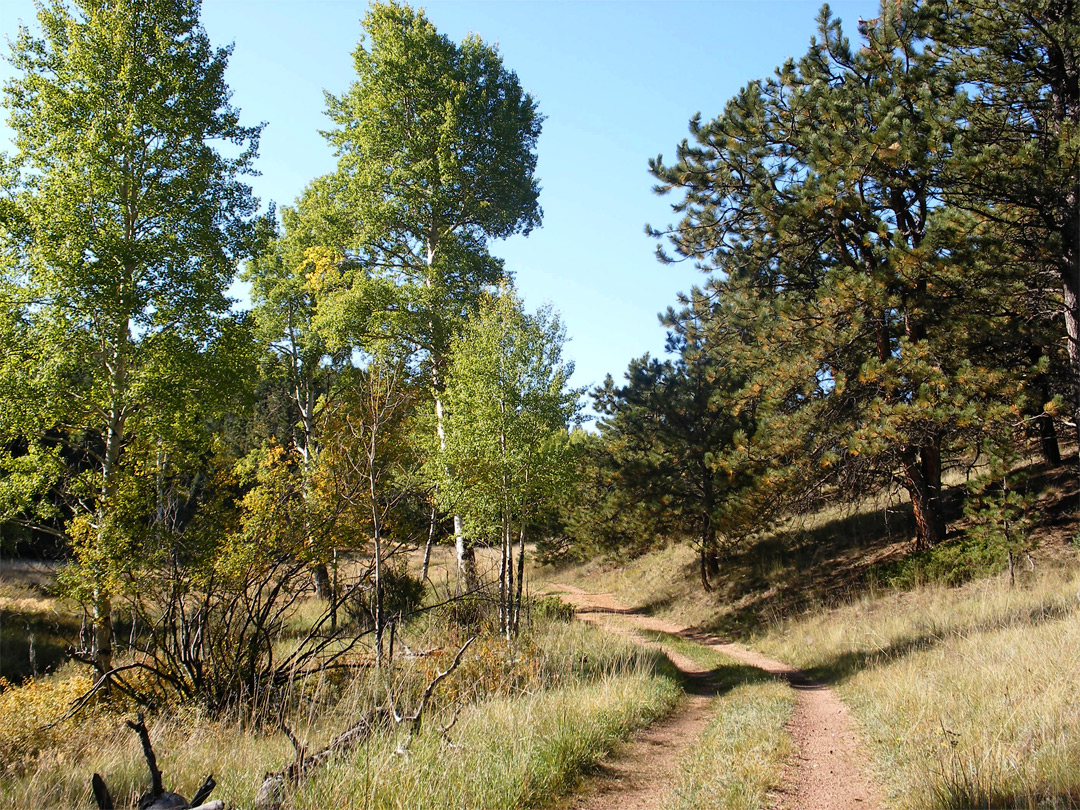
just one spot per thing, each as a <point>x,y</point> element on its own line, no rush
<point>828,773</point>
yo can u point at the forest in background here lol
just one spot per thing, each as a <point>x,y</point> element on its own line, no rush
<point>889,232</point>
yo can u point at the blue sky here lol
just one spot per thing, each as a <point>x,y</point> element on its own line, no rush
<point>617,83</point>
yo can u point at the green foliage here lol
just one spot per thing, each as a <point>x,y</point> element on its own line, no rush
<point>509,408</point>
<point>551,608</point>
<point>858,297</point>
<point>953,562</point>
<point>121,235</point>
<point>1018,157</point>
<point>1001,517</point>
<point>677,440</point>
<point>436,154</point>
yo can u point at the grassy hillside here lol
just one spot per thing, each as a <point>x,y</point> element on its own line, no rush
<point>966,693</point>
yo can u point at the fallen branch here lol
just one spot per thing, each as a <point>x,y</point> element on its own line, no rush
<point>101,793</point>
<point>139,728</point>
<point>417,717</point>
<point>158,798</point>
<point>271,794</point>
<point>203,793</point>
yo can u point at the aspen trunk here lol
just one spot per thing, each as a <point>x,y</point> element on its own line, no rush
<point>427,546</point>
<point>520,580</point>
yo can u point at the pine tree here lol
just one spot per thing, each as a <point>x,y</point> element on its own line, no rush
<point>815,201</point>
<point>1018,162</point>
<point>678,433</point>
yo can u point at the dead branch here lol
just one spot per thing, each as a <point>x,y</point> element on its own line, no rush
<point>203,793</point>
<point>271,795</point>
<point>417,718</point>
<point>158,798</point>
<point>110,678</point>
<point>156,789</point>
<point>101,793</point>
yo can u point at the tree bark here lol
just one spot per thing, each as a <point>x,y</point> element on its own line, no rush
<point>466,557</point>
<point>320,578</point>
<point>427,546</point>
<point>1071,292</point>
<point>704,570</point>
<point>1048,440</point>
<point>520,580</point>
<point>922,470</point>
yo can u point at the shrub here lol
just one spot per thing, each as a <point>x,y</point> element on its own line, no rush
<point>551,608</point>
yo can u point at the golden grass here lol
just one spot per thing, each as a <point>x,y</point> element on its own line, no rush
<point>567,696</point>
<point>967,696</point>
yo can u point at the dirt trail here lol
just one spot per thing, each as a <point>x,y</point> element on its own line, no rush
<point>827,773</point>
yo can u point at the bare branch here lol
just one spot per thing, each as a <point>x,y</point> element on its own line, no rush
<point>156,788</point>
<point>417,718</point>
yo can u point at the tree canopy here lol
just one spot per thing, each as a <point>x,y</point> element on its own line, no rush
<point>122,228</point>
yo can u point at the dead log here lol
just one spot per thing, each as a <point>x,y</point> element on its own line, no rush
<point>271,795</point>
<point>158,798</point>
<point>203,793</point>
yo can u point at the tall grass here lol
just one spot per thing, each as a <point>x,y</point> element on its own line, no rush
<point>503,752</point>
<point>538,713</point>
<point>967,696</point>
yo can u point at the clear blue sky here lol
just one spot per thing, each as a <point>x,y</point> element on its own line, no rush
<point>617,82</point>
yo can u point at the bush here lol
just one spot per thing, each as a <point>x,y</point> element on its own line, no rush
<point>402,595</point>
<point>551,608</point>
<point>950,563</point>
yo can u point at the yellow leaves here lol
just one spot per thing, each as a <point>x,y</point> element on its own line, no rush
<point>320,268</point>
<point>28,712</point>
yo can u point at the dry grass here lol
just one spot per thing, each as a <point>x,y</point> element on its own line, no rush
<point>575,690</point>
<point>505,752</point>
<point>967,696</point>
<point>738,762</point>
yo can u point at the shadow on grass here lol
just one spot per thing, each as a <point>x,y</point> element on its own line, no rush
<point>32,644</point>
<point>800,567</point>
<point>850,663</point>
<point>718,680</point>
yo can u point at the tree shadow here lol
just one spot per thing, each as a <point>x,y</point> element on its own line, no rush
<point>851,662</point>
<point>32,644</point>
<point>801,566</point>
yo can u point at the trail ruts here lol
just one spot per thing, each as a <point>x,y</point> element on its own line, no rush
<point>827,773</point>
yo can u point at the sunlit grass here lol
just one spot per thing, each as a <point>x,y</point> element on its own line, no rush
<point>533,718</point>
<point>504,752</point>
<point>739,760</point>
<point>967,696</point>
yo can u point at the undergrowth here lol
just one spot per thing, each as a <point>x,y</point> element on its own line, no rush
<point>577,690</point>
